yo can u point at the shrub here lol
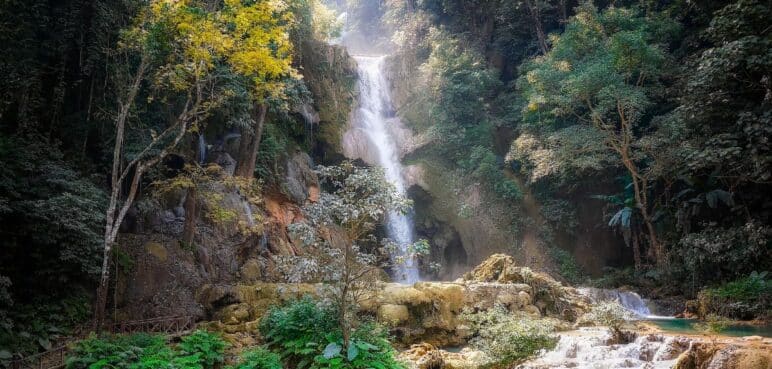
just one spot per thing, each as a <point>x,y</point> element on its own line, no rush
<point>369,348</point>
<point>298,330</point>
<point>259,358</point>
<point>120,352</point>
<point>200,350</point>
<point>206,348</point>
<point>610,314</point>
<point>306,335</point>
<point>509,338</point>
<point>567,266</point>
<point>743,298</point>
<point>712,324</point>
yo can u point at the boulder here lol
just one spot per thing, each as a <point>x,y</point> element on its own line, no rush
<point>251,271</point>
<point>422,356</point>
<point>392,314</point>
<point>710,355</point>
<point>492,269</point>
<point>300,180</point>
<point>157,250</point>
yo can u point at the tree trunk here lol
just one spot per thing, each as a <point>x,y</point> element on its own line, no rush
<point>636,251</point>
<point>115,190</point>
<point>563,13</point>
<point>533,8</point>
<point>250,145</point>
<point>639,191</point>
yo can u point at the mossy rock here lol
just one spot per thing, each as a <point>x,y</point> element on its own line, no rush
<point>157,250</point>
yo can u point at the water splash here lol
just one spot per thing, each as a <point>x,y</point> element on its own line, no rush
<point>588,348</point>
<point>374,113</point>
<point>630,300</point>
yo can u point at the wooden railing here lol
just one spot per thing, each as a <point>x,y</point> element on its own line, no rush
<point>51,359</point>
<point>173,325</point>
<point>55,358</point>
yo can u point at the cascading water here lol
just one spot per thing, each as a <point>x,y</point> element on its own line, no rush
<point>374,113</point>
<point>630,300</point>
<point>201,148</point>
<point>588,348</point>
<point>248,213</point>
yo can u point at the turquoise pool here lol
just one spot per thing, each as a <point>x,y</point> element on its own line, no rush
<point>677,325</point>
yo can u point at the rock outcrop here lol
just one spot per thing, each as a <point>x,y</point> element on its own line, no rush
<point>751,353</point>
<point>423,312</point>
<point>427,356</point>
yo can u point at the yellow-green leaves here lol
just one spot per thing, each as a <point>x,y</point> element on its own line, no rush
<point>188,41</point>
<point>261,47</point>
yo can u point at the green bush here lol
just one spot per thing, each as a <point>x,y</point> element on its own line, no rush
<point>509,338</point>
<point>259,358</point>
<point>751,288</point>
<point>32,326</point>
<point>306,335</point>
<point>567,266</point>
<point>369,348</point>
<point>743,298</point>
<point>207,348</point>
<point>200,350</point>
<point>610,314</point>
<point>132,351</point>
<point>297,331</point>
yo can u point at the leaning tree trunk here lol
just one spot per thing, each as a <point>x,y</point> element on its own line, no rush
<point>250,145</point>
<point>115,190</point>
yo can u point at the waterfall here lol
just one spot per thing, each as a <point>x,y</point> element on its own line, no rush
<point>248,213</point>
<point>630,300</point>
<point>372,116</point>
<point>201,148</point>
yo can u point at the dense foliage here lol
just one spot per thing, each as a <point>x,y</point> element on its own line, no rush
<point>509,338</point>
<point>640,123</point>
<point>307,335</point>
<point>132,86</point>
<point>199,350</point>
<point>636,132</point>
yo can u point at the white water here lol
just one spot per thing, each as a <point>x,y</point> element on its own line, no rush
<point>588,348</point>
<point>248,213</point>
<point>630,300</point>
<point>201,148</point>
<point>374,113</point>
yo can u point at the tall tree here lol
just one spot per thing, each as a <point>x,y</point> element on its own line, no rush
<point>603,71</point>
<point>179,45</point>
<point>262,52</point>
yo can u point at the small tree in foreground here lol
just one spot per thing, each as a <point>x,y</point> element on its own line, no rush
<point>612,315</point>
<point>339,234</point>
<point>713,325</point>
<point>510,338</point>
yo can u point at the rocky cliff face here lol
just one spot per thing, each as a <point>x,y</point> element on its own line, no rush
<point>160,271</point>
<point>235,242</point>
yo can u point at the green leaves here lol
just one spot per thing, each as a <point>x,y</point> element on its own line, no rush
<point>258,358</point>
<point>200,350</point>
<point>306,335</point>
<point>332,350</point>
